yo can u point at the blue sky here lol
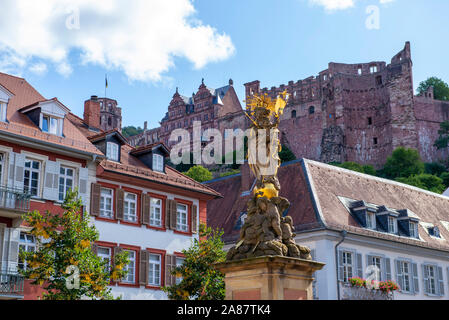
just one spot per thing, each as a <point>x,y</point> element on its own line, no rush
<point>266,40</point>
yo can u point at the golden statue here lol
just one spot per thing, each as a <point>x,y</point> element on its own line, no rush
<point>266,231</point>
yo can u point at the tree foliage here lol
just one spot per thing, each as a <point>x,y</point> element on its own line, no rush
<point>424,181</point>
<point>200,280</point>
<point>199,173</point>
<point>131,131</point>
<point>440,88</point>
<point>403,163</point>
<point>286,154</point>
<point>64,254</point>
<point>445,177</point>
<point>368,169</point>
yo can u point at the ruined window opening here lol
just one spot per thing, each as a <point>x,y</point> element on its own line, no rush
<point>359,70</point>
<point>293,113</point>
<point>373,69</point>
<point>311,110</point>
<point>375,141</point>
<point>379,80</point>
<point>370,121</point>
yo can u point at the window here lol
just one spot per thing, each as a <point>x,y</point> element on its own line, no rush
<point>3,107</point>
<point>359,71</point>
<point>373,69</point>
<point>2,164</point>
<point>293,113</point>
<point>375,141</point>
<point>406,276</point>
<point>158,163</point>
<point>371,220</point>
<point>130,267</point>
<point>413,230</point>
<point>65,182</point>
<point>370,121</point>
<point>379,80</point>
<point>112,151</point>
<point>181,218</point>
<point>27,243</point>
<point>347,266</point>
<point>430,279</point>
<point>154,270</point>
<point>155,212</point>
<point>377,262</point>
<point>50,124</point>
<point>105,254</point>
<point>311,110</point>
<point>392,226</point>
<point>130,207</point>
<point>31,177</point>
<point>179,262</point>
<point>434,231</point>
<point>106,203</point>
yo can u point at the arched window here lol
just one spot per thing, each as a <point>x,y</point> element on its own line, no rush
<point>311,110</point>
<point>293,113</point>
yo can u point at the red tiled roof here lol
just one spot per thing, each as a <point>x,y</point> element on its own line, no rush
<point>314,188</point>
<point>20,124</point>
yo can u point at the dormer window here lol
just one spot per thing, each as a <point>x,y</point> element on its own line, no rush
<point>434,232</point>
<point>413,229</point>
<point>50,125</point>
<point>371,220</point>
<point>158,162</point>
<point>3,106</point>
<point>112,151</point>
<point>392,225</point>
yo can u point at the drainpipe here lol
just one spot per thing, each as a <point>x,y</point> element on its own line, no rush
<point>343,236</point>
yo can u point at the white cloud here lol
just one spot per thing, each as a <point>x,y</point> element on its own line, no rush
<point>139,37</point>
<point>39,68</point>
<point>333,5</point>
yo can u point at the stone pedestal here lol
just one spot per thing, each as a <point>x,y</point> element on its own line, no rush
<point>269,278</point>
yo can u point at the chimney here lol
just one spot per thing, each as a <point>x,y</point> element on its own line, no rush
<point>145,126</point>
<point>92,112</point>
<point>247,178</point>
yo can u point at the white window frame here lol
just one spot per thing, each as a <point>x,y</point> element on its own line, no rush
<point>130,266</point>
<point>3,111</point>
<point>406,276</point>
<point>371,220</point>
<point>52,127</point>
<point>107,256</point>
<point>158,162</point>
<point>154,220</point>
<point>112,151</point>
<point>104,213</point>
<point>179,262</point>
<point>130,214</point>
<point>32,170</point>
<point>182,217</point>
<point>413,229</point>
<point>348,267</point>
<point>63,179</point>
<point>27,244</point>
<point>154,269</point>
<point>392,225</point>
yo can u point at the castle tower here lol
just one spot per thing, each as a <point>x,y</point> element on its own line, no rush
<point>110,113</point>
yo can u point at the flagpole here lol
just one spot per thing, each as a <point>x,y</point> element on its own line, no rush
<point>105,84</point>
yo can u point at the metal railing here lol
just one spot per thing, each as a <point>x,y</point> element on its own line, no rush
<point>11,283</point>
<point>14,199</point>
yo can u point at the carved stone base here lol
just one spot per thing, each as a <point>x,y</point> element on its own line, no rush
<point>269,278</point>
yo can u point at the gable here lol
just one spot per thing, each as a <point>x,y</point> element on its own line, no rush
<point>5,95</point>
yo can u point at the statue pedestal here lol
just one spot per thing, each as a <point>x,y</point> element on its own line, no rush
<point>269,278</point>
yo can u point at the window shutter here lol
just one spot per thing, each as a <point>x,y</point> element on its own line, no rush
<point>13,249</point>
<point>415,278</point>
<point>169,266</point>
<point>440,282</point>
<point>387,270</point>
<point>51,181</point>
<point>167,213</point>
<point>143,268</point>
<point>95,194</point>
<point>425,279</point>
<point>145,209</point>
<point>173,214</point>
<point>19,167</point>
<point>340,266</point>
<point>11,161</point>
<point>2,244</point>
<point>83,179</point>
<point>119,203</point>
<point>399,276</point>
<point>359,265</point>
<point>194,219</point>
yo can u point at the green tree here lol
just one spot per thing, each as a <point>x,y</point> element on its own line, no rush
<point>199,173</point>
<point>424,181</point>
<point>368,169</point>
<point>440,88</point>
<point>403,163</point>
<point>445,177</point>
<point>64,263</point>
<point>434,168</point>
<point>443,140</point>
<point>286,154</point>
<point>131,131</point>
<point>200,280</point>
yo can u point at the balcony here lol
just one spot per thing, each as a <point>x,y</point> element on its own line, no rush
<point>349,292</point>
<point>14,199</point>
<point>11,286</point>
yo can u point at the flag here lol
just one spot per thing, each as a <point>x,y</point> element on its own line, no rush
<point>106,81</point>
